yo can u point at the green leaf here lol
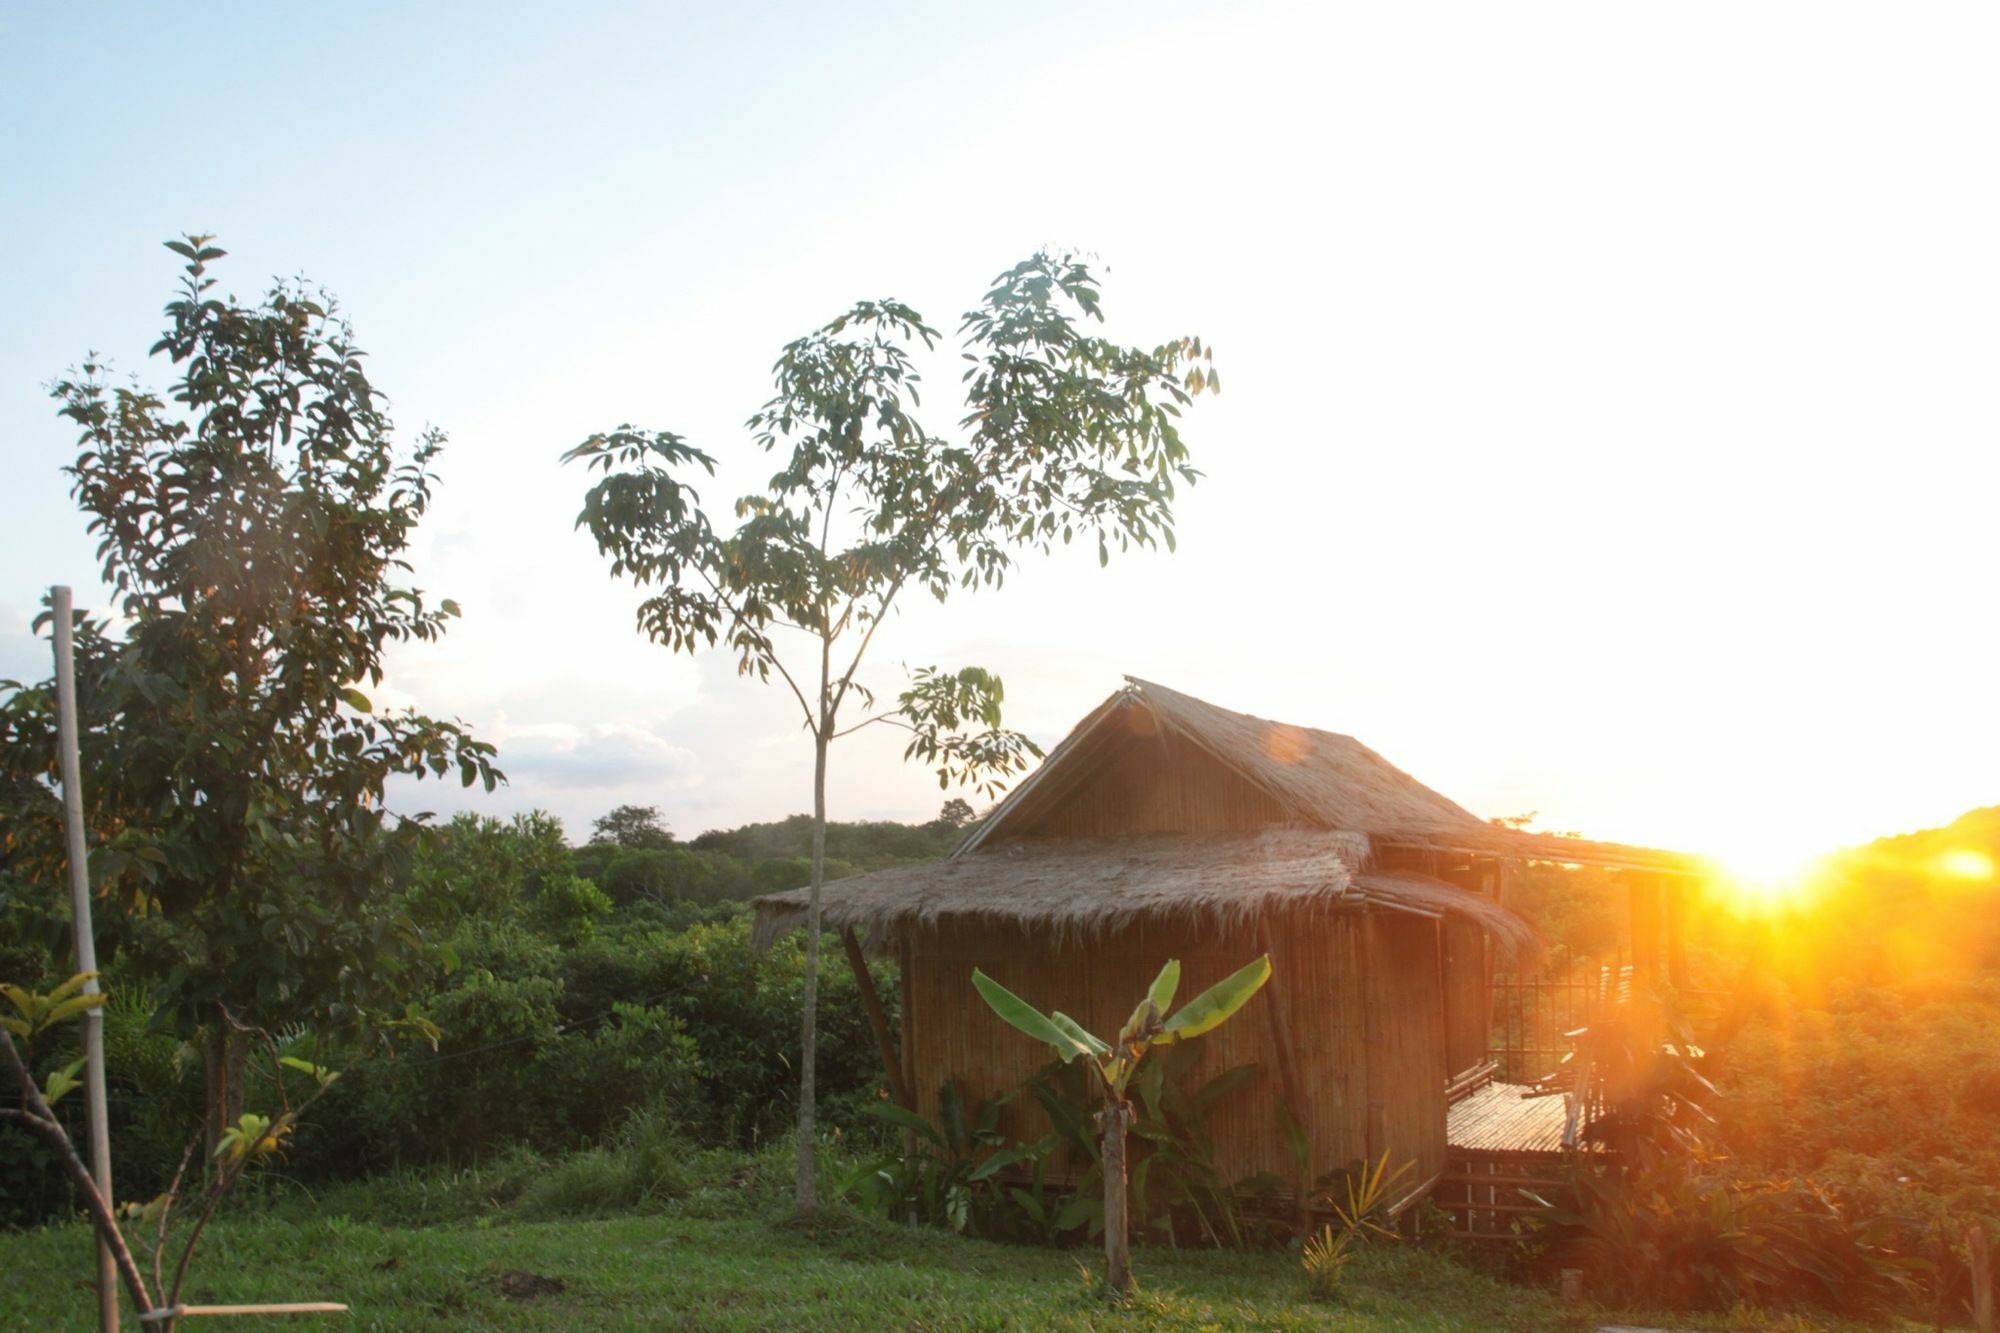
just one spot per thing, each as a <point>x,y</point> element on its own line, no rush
<point>1212,1007</point>
<point>62,1081</point>
<point>1076,1032</point>
<point>70,1007</point>
<point>1006,1157</point>
<point>69,988</point>
<point>357,700</point>
<point>1017,1013</point>
<point>903,1118</point>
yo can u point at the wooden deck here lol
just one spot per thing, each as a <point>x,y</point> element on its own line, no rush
<point>1496,1118</point>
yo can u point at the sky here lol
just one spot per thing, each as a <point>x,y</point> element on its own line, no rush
<point>1609,417</point>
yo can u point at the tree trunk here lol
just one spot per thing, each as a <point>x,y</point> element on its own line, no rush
<point>806,1197</point>
<point>1111,1121</point>
<point>225,1056</point>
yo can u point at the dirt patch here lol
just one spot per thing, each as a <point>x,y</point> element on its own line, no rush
<point>518,1285</point>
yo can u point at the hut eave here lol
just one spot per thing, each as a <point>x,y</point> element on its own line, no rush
<point>1084,887</point>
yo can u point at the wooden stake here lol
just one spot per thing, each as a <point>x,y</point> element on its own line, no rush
<point>71,767</point>
<point>878,1022</point>
<point>283,1307</point>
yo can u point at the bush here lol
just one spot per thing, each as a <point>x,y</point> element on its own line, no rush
<point>648,1164</point>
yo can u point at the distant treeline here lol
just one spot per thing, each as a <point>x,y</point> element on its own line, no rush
<point>634,859</point>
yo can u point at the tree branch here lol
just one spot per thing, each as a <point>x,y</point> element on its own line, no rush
<point>39,1120</point>
<point>891,718</point>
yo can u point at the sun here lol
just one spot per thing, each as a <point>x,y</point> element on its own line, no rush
<point>1966,864</point>
<point>1765,879</point>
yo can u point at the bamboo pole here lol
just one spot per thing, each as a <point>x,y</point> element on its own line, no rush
<point>71,767</point>
<point>878,1022</point>
<point>282,1307</point>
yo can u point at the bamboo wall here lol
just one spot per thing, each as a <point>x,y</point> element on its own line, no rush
<point>1362,993</point>
<point>1468,1004</point>
<point>1405,1044</point>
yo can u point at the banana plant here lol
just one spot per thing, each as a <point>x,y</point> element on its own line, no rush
<point>1112,1066</point>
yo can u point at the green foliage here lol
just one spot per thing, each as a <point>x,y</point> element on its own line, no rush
<point>35,1013</point>
<point>1115,1065</point>
<point>1324,1258</point>
<point>1360,1208</point>
<point>1683,1235</point>
<point>631,826</point>
<point>567,907</point>
<point>1177,1194</point>
<point>866,846</point>
<point>252,519</point>
<point>951,1175</point>
<point>647,1164</point>
<point>1670,1224</point>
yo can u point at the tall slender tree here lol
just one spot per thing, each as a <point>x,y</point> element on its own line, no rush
<point>1066,435</point>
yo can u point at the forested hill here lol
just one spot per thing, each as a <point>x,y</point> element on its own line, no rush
<point>873,845</point>
<point>1913,907</point>
<point>1975,831</point>
<point>633,857</point>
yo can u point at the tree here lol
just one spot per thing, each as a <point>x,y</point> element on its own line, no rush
<point>956,813</point>
<point>632,826</point>
<point>1065,435</point>
<point>1111,1065</point>
<point>252,523</point>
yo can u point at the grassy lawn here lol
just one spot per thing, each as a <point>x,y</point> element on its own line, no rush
<point>712,1249</point>
<point>730,1273</point>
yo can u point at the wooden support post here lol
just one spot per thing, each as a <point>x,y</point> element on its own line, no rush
<point>1643,895</point>
<point>1674,891</point>
<point>878,1022</point>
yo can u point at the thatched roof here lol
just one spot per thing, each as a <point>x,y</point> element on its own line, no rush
<point>1083,886</point>
<point>1341,801</point>
<point>1320,778</point>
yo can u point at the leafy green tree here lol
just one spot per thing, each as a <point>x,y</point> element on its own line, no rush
<point>632,826</point>
<point>1111,1066</point>
<point>252,521</point>
<point>1065,434</point>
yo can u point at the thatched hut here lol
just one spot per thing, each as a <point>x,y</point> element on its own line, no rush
<point>1166,827</point>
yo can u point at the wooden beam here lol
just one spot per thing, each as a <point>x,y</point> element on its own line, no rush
<point>878,1022</point>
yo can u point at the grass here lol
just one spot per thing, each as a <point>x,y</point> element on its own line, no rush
<point>749,1273</point>
<point>711,1248</point>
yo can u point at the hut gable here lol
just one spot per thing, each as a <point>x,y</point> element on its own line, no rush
<point>1137,777</point>
<point>1153,760</point>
